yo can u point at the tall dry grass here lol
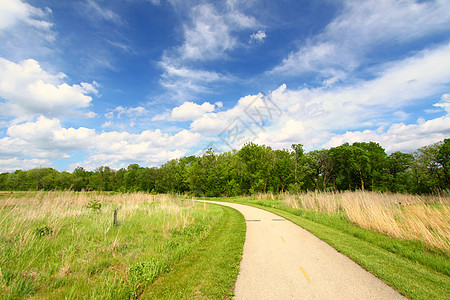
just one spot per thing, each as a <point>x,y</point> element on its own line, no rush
<point>412,217</point>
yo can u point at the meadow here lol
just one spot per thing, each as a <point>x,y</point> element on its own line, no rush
<point>68,245</point>
<point>409,217</point>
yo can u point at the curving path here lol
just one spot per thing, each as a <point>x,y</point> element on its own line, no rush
<point>284,261</point>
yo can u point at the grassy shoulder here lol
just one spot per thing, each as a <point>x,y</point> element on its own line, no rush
<point>65,245</point>
<point>211,269</point>
<point>409,266</point>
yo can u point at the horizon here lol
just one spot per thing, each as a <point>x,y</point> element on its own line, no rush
<point>99,83</point>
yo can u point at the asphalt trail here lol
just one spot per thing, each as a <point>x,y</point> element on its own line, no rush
<point>284,261</point>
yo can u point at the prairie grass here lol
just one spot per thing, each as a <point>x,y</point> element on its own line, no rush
<point>65,245</point>
<point>410,217</point>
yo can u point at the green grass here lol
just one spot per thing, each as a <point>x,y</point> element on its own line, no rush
<point>210,270</point>
<point>409,266</point>
<point>55,246</point>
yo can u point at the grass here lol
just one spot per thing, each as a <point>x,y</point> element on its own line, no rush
<point>64,244</point>
<point>209,272</point>
<point>409,217</point>
<point>413,266</point>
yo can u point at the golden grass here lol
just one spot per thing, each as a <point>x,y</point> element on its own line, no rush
<point>424,218</point>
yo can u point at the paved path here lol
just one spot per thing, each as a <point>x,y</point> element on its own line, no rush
<point>283,261</point>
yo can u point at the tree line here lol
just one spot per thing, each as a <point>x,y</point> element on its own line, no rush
<point>259,169</point>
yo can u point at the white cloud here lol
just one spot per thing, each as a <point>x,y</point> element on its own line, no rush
<point>48,134</point>
<point>363,27</point>
<point>209,35</point>
<point>130,112</point>
<point>12,164</point>
<point>258,37</point>
<point>15,11</point>
<point>371,103</point>
<point>191,111</point>
<point>215,122</point>
<point>46,140</point>
<point>183,82</point>
<point>29,90</point>
<point>399,136</point>
<point>94,11</point>
<point>373,109</point>
<point>25,31</point>
<point>148,148</point>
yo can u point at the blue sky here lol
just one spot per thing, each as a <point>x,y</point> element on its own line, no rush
<point>95,82</point>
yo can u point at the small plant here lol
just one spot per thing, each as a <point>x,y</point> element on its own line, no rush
<point>43,231</point>
<point>94,205</point>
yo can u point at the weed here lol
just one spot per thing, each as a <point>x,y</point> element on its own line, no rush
<point>94,205</point>
<point>43,231</point>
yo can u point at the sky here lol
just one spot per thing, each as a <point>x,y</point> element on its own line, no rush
<point>90,83</point>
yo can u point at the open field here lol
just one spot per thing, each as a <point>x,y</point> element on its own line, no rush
<point>410,264</point>
<point>409,217</point>
<point>65,245</point>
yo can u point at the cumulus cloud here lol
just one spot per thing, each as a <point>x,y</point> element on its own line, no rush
<point>258,37</point>
<point>46,140</point>
<point>188,111</point>
<point>148,148</point>
<point>29,90</point>
<point>214,123</point>
<point>371,109</point>
<point>191,111</point>
<point>42,141</point>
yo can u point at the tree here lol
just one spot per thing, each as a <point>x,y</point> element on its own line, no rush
<point>375,168</point>
<point>259,163</point>
<point>427,170</point>
<point>283,170</point>
<point>80,179</point>
<point>443,158</point>
<point>398,164</point>
<point>326,166</point>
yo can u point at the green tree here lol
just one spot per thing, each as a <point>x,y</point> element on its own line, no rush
<point>443,158</point>
<point>283,174</point>
<point>259,163</point>
<point>427,171</point>
<point>398,165</point>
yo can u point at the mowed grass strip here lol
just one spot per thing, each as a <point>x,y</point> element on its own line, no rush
<point>385,257</point>
<point>211,269</point>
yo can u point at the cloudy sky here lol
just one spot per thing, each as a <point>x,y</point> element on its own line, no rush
<point>100,82</point>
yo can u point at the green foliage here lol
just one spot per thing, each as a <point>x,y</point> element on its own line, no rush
<point>94,205</point>
<point>259,169</point>
<point>43,231</point>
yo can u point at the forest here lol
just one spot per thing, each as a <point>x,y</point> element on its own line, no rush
<point>260,169</point>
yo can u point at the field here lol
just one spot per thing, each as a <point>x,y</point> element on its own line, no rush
<point>70,245</point>
<point>66,245</point>
<point>409,217</point>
